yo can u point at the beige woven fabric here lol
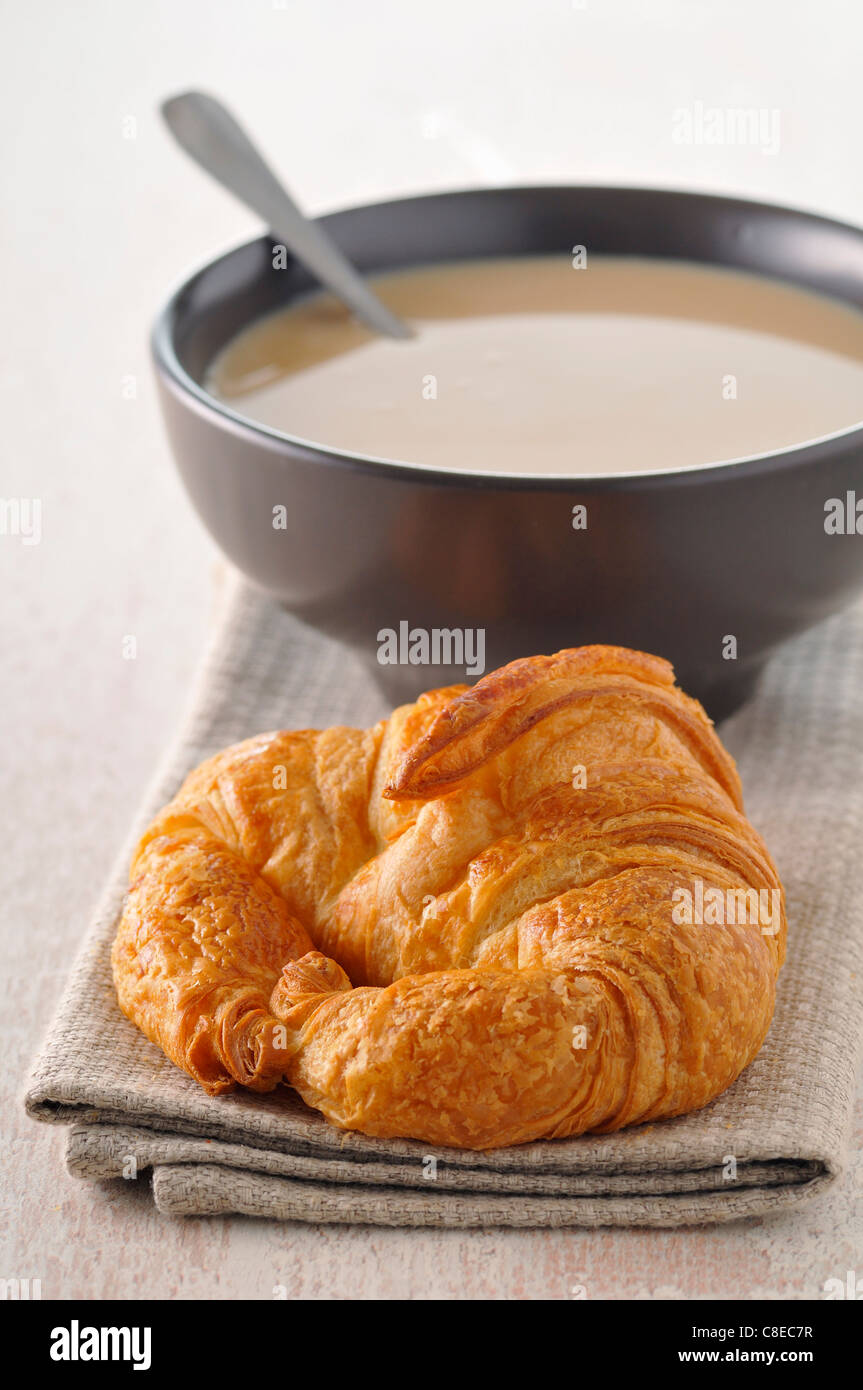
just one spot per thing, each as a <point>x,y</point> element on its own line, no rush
<point>776,1137</point>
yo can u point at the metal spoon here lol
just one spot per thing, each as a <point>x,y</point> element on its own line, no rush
<point>208,132</point>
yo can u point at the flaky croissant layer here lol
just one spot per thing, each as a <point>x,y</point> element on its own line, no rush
<point>521,910</point>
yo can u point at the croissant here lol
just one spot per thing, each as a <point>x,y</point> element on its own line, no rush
<point>527,909</point>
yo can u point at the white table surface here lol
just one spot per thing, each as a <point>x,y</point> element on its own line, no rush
<point>102,215</point>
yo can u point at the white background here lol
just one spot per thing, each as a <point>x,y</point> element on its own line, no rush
<point>353,100</point>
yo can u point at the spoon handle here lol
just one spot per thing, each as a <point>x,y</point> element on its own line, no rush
<point>208,132</point>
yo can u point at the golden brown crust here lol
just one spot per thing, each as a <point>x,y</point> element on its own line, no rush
<point>463,925</point>
<point>509,702</point>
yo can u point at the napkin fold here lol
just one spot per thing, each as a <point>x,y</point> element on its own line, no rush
<point>776,1137</point>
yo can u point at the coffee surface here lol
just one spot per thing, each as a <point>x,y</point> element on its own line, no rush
<point>528,365</point>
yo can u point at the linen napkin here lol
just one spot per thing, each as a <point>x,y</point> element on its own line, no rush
<point>776,1137</point>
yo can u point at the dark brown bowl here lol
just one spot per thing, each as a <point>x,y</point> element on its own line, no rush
<point>673,562</point>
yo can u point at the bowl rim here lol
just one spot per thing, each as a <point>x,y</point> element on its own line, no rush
<point>185,386</point>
